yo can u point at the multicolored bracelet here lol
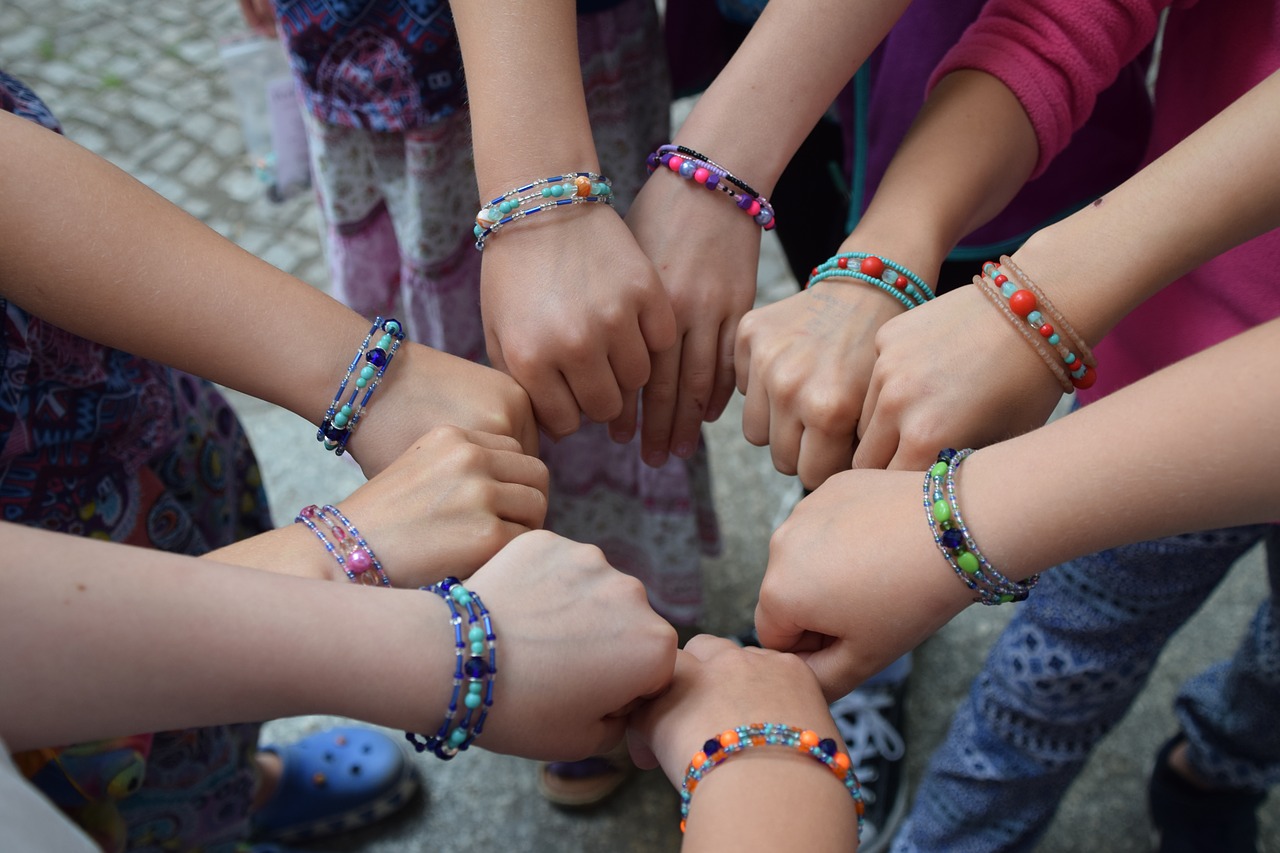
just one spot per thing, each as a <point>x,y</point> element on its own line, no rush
<point>543,194</point>
<point>700,169</point>
<point>476,663</point>
<point>717,749</point>
<point>341,419</point>
<point>893,278</point>
<point>956,542</point>
<point>1040,323</point>
<point>354,556</point>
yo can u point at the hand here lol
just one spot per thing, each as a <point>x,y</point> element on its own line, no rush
<point>711,282</point>
<point>571,310</point>
<point>854,578</point>
<point>579,646</point>
<point>718,686</point>
<point>449,504</point>
<point>804,364</point>
<point>259,16</point>
<point>951,373</point>
<point>424,388</point>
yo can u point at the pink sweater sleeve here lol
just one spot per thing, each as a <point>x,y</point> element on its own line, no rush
<point>1056,56</point>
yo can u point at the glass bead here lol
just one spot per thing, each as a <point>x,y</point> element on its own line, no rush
<point>557,191</point>
<point>475,634</point>
<point>967,562</point>
<point>1055,339</point>
<point>939,469</point>
<point>1008,289</point>
<point>472,701</point>
<point>367,372</point>
<point>952,539</point>
<point>828,746</point>
<point>477,649</point>
<point>377,357</point>
<point>941,511</point>
<point>475,668</point>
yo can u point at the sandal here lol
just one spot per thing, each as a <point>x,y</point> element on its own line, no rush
<point>335,781</point>
<point>579,784</point>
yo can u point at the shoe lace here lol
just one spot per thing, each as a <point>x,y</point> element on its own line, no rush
<point>867,733</point>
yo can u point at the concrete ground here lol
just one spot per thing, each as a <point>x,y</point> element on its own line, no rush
<point>142,85</point>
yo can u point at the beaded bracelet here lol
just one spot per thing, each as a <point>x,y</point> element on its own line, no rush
<point>1027,308</point>
<point>352,552</point>
<point>341,419</point>
<point>553,192</point>
<point>476,662</point>
<point>956,542</point>
<point>699,168</point>
<point>722,746</point>
<point>893,278</point>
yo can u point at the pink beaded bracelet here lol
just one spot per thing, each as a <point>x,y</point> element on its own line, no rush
<point>348,547</point>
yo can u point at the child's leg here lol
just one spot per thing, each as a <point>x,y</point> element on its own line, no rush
<point>1060,677</point>
<point>1229,711</point>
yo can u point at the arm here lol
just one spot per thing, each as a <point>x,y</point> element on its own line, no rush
<point>1002,104</point>
<point>1098,482</point>
<point>193,636</point>
<point>92,250</point>
<point>451,502</point>
<point>1097,265</point>
<point>719,686</point>
<point>571,306</point>
<point>751,120</point>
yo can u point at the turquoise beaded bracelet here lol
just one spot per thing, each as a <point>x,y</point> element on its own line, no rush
<point>341,419</point>
<point>717,749</point>
<point>476,664</point>
<point>537,196</point>
<point>893,278</point>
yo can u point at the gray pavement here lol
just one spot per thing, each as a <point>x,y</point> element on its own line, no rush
<point>141,84</point>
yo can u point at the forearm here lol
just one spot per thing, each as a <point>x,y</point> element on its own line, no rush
<point>788,70</point>
<point>192,651</point>
<point>1185,449</point>
<point>95,252</point>
<point>969,151</point>
<point>1216,189</point>
<point>524,87</point>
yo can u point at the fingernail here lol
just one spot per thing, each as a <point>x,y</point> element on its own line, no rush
<point>622,437</point>
<point>655,458</point>
<point>684,450</point>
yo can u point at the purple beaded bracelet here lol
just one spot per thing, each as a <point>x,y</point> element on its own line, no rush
<point>691,165</point>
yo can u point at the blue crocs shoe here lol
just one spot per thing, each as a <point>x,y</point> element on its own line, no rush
<point>335,781</point>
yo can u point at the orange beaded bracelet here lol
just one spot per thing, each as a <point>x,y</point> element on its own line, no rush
<point>722,746</point>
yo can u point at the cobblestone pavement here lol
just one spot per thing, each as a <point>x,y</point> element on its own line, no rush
<point>142,84</point>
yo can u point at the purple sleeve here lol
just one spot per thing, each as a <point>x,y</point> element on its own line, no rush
<point>1055,56</point>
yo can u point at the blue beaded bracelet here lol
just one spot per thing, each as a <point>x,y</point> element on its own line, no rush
<point>341,419</point>
<point>550,193</point>
<point>476,664</point>
<point>893,278</point>
<point>956,542</point>
<point>717,749</point>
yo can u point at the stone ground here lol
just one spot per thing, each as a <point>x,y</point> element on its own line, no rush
<point>142,85</point>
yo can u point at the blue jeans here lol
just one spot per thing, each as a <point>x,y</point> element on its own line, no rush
<point>1065,671</point>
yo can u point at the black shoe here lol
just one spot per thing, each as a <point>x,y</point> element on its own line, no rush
<point>871,720</point>
<point>1188,819</point>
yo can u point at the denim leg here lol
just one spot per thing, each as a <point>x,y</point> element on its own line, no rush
<point>1059,677</point>
<point>1230,711</point>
